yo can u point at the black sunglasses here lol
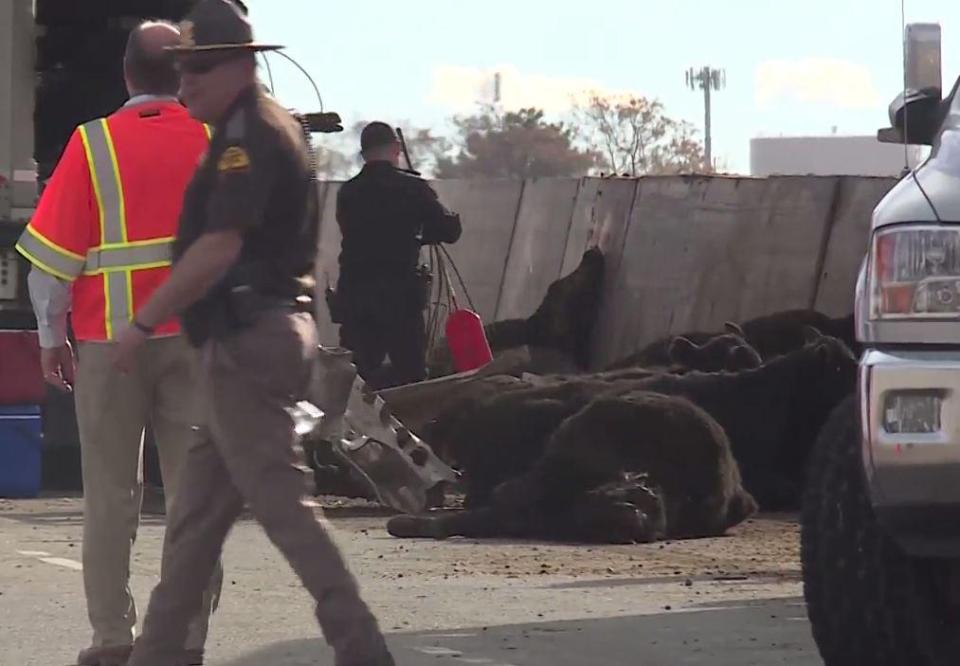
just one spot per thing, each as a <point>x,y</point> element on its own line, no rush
<point>204,62</point>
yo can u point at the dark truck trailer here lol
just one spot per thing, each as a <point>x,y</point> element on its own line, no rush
<point>60,65</point>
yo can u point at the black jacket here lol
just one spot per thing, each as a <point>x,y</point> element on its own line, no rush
<point>385,215</point>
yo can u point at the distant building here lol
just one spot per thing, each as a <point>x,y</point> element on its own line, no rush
<point>832,155</point>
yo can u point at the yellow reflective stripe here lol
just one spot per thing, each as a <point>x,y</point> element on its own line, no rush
<point>93,177</point>
<point>160,240</point>
<point>38,262</point>
<point>103,270</point>
<point>121,206</point>
<point>108,188</point>
<point>118,305</point>
<point>102,159</point>
<point>206,128</point>
<point>129,256</point>
<point>107,315</point>
<point>129,284</point>
<point>53,246</point>
<point>53,259</point>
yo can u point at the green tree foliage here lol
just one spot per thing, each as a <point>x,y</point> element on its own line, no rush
<point>514,144</point>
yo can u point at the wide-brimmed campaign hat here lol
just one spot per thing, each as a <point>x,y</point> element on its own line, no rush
<point>217,26</point>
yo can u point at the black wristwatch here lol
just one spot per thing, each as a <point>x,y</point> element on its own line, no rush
<point>148,330</point>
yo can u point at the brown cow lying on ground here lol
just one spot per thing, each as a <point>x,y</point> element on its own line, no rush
<point>771,415</point>
<point>628,468</point>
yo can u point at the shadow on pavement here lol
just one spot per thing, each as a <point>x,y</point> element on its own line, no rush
<point>749,634</point>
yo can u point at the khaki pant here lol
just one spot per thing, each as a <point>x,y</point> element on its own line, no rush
<point>112,410</point>
<point>250,457</point>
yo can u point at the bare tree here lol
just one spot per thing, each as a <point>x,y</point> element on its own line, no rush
<point>426,148</point>
<point>636,138</point>
<point>332,164</point>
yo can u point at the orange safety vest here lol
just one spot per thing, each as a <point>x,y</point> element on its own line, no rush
<point>108,216</point>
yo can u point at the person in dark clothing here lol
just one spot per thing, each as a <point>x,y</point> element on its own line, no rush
<point>385,215</point>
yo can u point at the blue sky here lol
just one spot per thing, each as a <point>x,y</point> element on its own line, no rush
<point>792,68</point>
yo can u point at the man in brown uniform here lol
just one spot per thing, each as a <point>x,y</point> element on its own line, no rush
<point>242,276</point>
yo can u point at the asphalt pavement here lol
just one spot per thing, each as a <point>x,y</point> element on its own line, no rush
<point>725,602</point>
<point>755,634</point>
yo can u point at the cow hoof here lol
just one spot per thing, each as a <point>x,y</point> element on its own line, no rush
<point>628,524</point>
<point>415,527</point>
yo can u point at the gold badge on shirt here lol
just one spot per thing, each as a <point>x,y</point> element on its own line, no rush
<point>234,158</point>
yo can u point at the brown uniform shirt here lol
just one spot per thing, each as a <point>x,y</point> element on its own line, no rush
<point>257,178</point>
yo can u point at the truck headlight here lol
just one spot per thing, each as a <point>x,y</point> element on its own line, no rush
<point>912,411</point>
<point>915,273</point>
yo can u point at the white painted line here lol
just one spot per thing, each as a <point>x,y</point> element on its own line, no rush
<point>63,562</point>
<point>456,655</point>
<point>438,651</point>
<point>453,635</point>
<point>45,557</point>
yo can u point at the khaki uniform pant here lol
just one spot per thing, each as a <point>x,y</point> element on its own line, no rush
<point>250,456</point>
<point>112,410</point>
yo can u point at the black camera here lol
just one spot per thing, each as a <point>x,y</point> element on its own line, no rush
<point>324,122</point>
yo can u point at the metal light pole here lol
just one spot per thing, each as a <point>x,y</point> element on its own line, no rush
<point>707,79</point>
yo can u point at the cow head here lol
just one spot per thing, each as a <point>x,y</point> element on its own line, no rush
<point>734,329</point>
<point>728,352</point>
<point>743,357</point>
<point>825,372</point>
<point>568,313</point>
<point>811,335</point>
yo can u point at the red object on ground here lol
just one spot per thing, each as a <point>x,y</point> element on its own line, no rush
<point>467,341</point>
<point>21,379</point>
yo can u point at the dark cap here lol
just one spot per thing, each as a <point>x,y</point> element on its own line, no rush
<point>377,134</point>
<point>217,25</point>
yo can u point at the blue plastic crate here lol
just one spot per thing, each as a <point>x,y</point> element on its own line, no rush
<point>20,451</point>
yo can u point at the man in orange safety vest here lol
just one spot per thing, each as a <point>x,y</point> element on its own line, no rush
<point>100,244</point>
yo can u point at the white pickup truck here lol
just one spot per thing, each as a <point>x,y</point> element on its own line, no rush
<point>881,520</point>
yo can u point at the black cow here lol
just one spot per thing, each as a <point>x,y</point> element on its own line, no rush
<point>728,352</point>
<point>564,321</point>
<point>770,335</point>
<point>782,332</point>
<point>657,353</point>
<point>723,353</point>
<point>566,318</point>
<point>772,414</point>
<point>496,438</point>
<point>627,468</point>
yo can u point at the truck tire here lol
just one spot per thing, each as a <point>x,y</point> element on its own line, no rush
<point>846,616</point>
<point>868,602</point>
